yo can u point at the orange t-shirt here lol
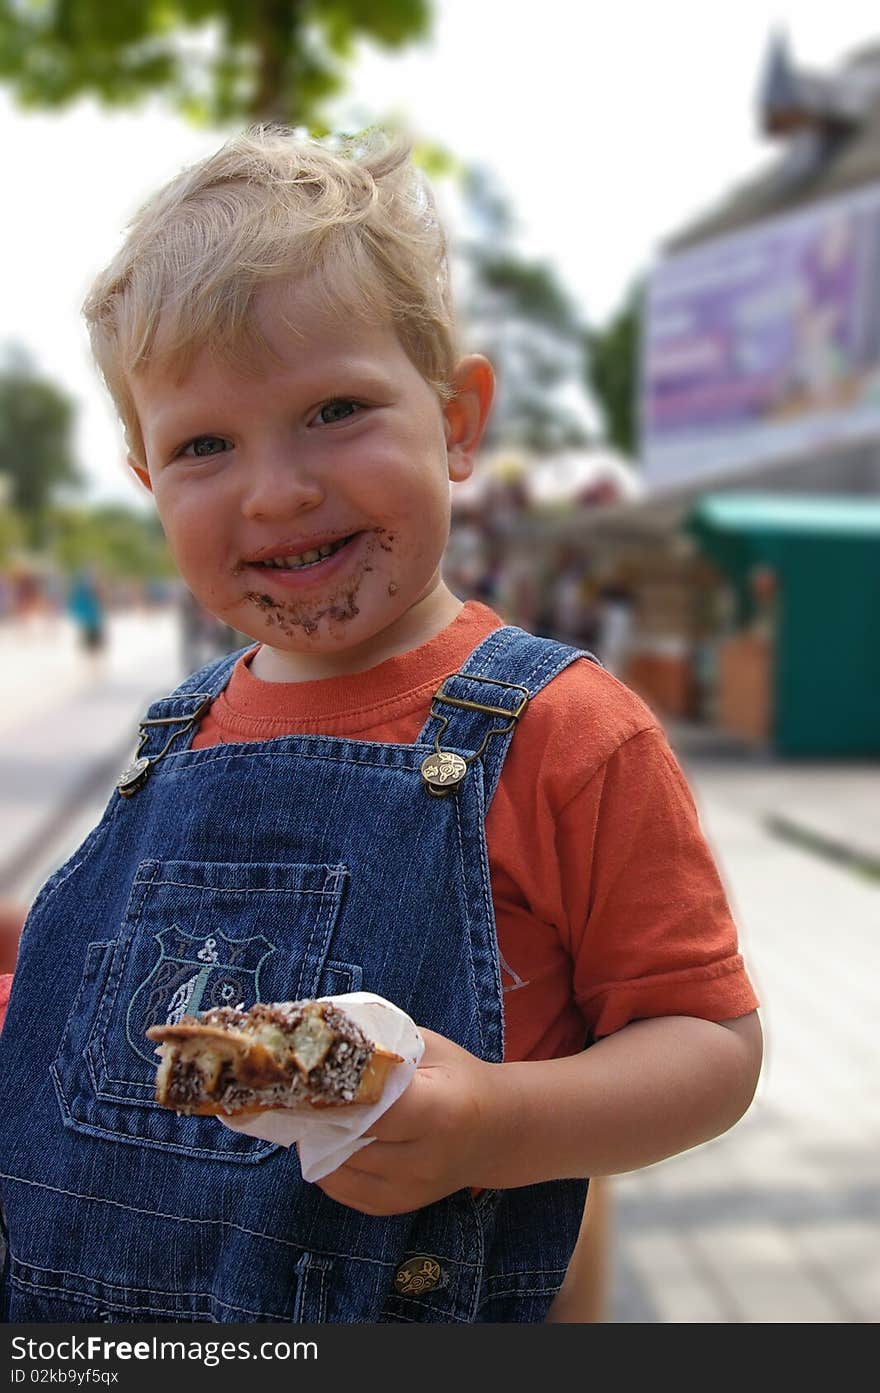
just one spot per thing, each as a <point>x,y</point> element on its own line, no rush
<point>608,904</point>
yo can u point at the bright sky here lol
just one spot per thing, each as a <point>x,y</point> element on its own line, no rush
<point>607,128</point>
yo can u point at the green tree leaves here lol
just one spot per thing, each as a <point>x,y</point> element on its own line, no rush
<point>36,450</point>
<point>612,370</point>
<point>215,61</point>
<point>121,543</point>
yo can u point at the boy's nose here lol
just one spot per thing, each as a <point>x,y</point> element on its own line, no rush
<point>277,485</point>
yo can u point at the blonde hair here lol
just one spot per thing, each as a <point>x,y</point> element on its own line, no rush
<point>267,207</point>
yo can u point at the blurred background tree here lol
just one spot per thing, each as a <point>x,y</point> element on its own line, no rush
<point>612,372</point>
<point>11,529</point>
<point>216,61</point>
<point>121,543</point>
<point>36,445</point>
<point>523,319</point>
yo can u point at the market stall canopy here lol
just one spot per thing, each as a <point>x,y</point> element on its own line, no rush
<point>825,554</point>
<point>766,515</point>
<point>742,530</point>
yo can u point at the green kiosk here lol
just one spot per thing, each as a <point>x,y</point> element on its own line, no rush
<point>824,552</point>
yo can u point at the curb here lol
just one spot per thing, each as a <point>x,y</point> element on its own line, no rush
<point>865,863</point>
<point>26,856</point>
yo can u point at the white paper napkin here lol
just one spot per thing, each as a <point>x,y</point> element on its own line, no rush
<point>328,1136</point>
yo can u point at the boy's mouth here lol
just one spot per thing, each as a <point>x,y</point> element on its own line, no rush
<point>298,561</point>
<point>302,566</point>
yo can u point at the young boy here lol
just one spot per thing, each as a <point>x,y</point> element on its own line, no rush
<point>277,336</point>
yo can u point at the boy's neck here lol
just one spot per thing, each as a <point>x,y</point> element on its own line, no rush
<point>427,618</point>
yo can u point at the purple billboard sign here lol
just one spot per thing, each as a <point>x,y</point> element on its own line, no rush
<point>764,344</point>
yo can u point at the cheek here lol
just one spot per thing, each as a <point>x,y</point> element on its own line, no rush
<point>433,513</point>
<point>417,498</point>
<point>195,541</point>
<point>415,539</point>
<point>187,545</point>
<point>189,519</point>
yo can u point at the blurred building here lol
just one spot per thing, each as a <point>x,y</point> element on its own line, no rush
<point>760,375</point>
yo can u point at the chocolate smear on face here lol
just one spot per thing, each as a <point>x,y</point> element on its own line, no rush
<point>306,615</point>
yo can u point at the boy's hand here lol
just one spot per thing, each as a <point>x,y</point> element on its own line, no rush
<point>652,1089</point>
<point>432,1141</point>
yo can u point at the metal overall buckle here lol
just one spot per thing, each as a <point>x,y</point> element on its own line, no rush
<point>443,771</point>
<point>135,774</point>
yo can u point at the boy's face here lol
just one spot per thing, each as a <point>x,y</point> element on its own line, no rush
<point>341,447</point>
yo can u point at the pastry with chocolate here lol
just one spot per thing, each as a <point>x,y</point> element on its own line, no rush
<point>274,1055</point>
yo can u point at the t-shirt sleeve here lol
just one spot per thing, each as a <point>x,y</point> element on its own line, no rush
<point>5,989</point>
<point>651,929</point>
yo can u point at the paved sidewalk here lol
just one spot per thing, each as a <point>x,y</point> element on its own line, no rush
<point>67,726</point>
<point>830,805</point>
<point>779,1220</point>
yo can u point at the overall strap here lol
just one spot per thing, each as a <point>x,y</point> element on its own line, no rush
<point>502,674</point>
<point>171,721</point>
<point>208,681</point>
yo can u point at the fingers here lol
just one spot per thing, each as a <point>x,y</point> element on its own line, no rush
<point>369,1194</point>
<point>379,1158</point>
<point>423,1147</point>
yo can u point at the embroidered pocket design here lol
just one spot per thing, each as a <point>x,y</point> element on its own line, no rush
<point>194,972</point>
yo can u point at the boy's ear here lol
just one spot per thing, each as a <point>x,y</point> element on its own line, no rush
<point>141,472</point>
<point>465,415</point>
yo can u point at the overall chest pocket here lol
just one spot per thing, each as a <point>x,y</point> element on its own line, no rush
<point>195,935</point>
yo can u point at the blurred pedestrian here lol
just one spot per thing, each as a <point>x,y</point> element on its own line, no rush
<point>614,627</point>
<point>27,599</point>
<point>85,606</point>
<point>517,586</point>
<point>202,635</point>
<point>466,560</point>
<point>7,596</point>
<point>764,587</point>
<point>12,917</point>
<point>572,614</point>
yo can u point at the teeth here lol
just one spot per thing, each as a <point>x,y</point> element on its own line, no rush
<point>306,558</point>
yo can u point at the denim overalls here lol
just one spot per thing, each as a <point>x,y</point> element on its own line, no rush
<point>273,870</point>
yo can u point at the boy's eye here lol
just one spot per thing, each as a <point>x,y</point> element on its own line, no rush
<point>204,445</point>
<point>337,410</point>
